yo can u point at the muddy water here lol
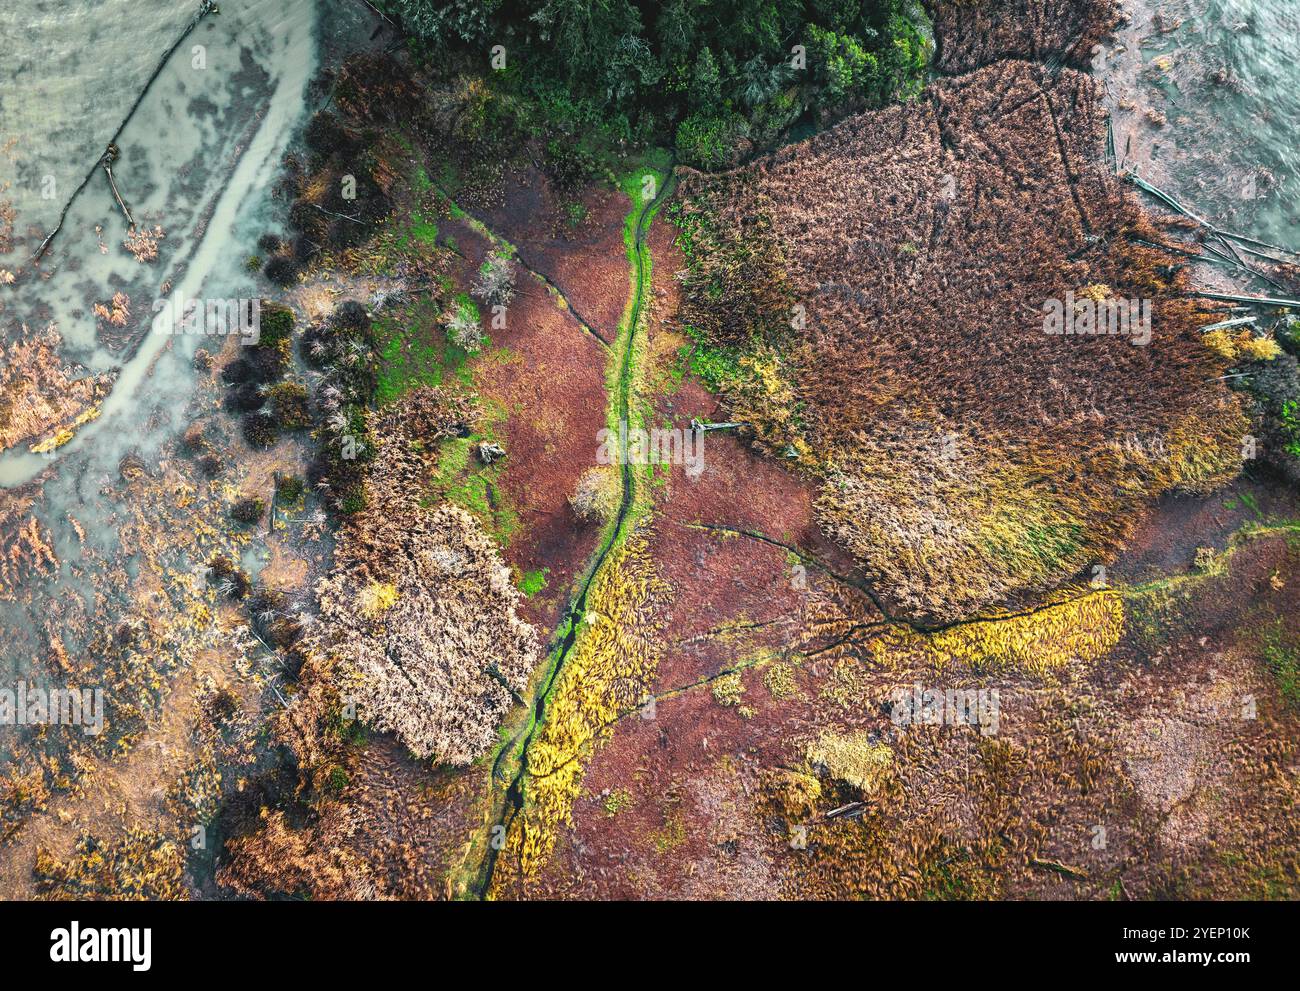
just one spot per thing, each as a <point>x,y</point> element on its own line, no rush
<point>68,77</point>
<point>1205,101</point>
<point>196,161</point>
<point>198,158</point>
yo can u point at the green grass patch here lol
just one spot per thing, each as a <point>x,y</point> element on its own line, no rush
<point>1249,502</point>
<point>461,478</point>
<point>414,351</point>
<point>1282,655</point>
<point>718,368</point>
<point>1290,417</point>
<point>532,582</point>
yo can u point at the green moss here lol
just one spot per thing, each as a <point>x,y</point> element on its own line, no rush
<point>461,478</point>
<point>533,582</point>
<point>338,780</point>
<point>423,229</point>
<point>575,214</point>
<point>1249,502</point>
<point>1290,417</point>
<point>420,182</point>
<point>275,324</point>
<point>718,368</point>
<point>1283,658</point>
<point>414,352</point>
<point>616,801</point>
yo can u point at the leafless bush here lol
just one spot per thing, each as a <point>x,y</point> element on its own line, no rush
<point>463,328</point>
<point>595,498</point>
<point>496,279</point>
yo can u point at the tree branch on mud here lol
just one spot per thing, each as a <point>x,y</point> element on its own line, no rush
<point>205,8</point>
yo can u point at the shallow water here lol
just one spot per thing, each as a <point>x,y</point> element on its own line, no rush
<point>1226,76</point>
<point>196,159</point>
<point>69,75</point>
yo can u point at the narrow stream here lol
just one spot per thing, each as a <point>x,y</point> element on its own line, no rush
<point>513,800</point>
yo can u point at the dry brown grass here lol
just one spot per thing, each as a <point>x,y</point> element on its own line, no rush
<point>972,33</point>
<point>418,616</point>
<point>967,457</point>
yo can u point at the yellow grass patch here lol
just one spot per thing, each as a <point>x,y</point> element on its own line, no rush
<point>611,667</point>
<point>853,759</point>
<point>1086,628</point>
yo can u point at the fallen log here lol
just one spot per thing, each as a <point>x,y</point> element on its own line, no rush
<point>1178,207</point>
<point>341,216</point>
<point>1223,297</point>
<point>1225,324</point>
<point>205,8</point>
<point>850,811</point>
<point>376,10</point>
<point>109,158</point>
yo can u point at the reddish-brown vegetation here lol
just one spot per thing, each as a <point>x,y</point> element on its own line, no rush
<point>974,33</point>
<point>967,455</point>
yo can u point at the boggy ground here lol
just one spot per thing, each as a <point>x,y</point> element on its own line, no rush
<point>551,381</point>
<point>184,682</point>
<point>770,710</point>
<point>1157,766</point>
<point>366,820</point>
<point>1142,746</point>
<point>723,726</point>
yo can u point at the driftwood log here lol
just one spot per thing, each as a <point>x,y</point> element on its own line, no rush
<point>110,153</point>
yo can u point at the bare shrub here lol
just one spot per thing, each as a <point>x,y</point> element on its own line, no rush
<point>595,498</point>
<point>496,279</point>
<point>463,328</point>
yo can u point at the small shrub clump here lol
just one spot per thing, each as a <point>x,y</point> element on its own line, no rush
<point>595,498</point>
<point>230,579</point>
<point>289,401</point>
<point>281,270</point>
<point>247,510</point>
<point>288,488</point>
<point>496,279</point>
<point>463,328</point>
